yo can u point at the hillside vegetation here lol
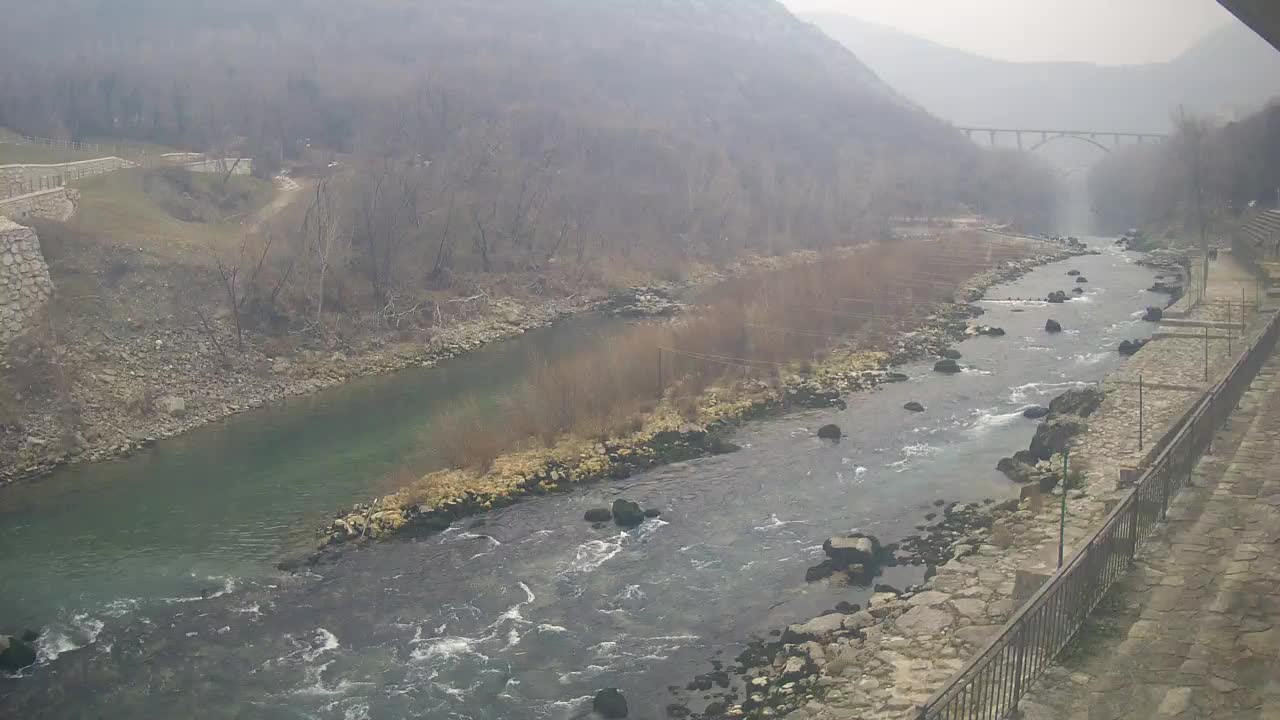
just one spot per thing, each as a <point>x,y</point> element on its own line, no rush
<point>513,134</point>
<point>1219,171</point>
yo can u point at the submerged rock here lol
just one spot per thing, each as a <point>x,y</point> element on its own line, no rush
<point>1073,273</point>
<point>946,366</point>
<point>1077,290</point>
<point>989,331</point>
<point>598,515</point>
<point>610,703</point>
<point>830,432</point>
<point>895,377</point>
<point>1082,279</point>
<point>1052,326</point>
<point>914,406</point>
<point>1035,412</point>
<point>627,513</point>
<point>1131,347</point>
<point>1153,314</point>
<point>15,654</point>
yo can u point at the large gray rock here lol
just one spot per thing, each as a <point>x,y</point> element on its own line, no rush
<point>925,620</point>
<point>947,366</point>
<point>1080,401</point>
<point>1018,471</point>
<point>627,513</point>
<point>830,432</point>
<point>171,405</point>
<point>860,550</point>
<point>1055,435</point>
<point>610,703</point>
<point>820,629</point>
<point>15,654</point>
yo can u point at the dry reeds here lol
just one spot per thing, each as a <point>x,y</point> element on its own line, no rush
<point>757,326</point>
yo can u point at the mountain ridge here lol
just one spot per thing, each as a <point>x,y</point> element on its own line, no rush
<point>969,89</point>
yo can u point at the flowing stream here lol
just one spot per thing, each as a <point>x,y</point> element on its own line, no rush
<point>524,612</point>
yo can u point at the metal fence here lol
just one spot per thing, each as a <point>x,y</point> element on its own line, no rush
<point>997,677</point>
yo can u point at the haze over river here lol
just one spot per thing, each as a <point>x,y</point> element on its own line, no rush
<point>524,612</point>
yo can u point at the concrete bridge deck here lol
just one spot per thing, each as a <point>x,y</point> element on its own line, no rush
<point>1194,630</point>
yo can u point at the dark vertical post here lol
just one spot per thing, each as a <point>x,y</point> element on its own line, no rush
<point>1019,134</point>
<point>661,388</point>
<point>1206,354</point>
<point>1062,520</point>
<point>1229,333</point>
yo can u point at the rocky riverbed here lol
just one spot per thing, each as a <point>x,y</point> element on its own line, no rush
<point>666,436</point>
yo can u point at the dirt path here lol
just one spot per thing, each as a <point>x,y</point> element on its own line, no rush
<point>288,190</point>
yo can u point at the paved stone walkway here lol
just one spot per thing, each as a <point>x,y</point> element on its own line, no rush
<point>1194,631</point>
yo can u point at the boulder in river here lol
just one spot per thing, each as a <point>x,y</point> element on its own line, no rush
<point>1153,314</point>
<point>610,703</point>
<point>1077,290</point>
<point>862,550</point>
<point>1052,326</point>
<point>1035,412</point>
<point>914,406</point>
<point>15,654</point>
<point>830,432</point>
<point>1018,471</point>
<point>1131,347</point>
<point>627,513</point>
<point>1077,401</point>
<point>1073,273</point>
<point>653,513</point>
<point>598,515</point>
<point>1057,296</point>
<point>949,367</point>
<point>1082,279</point>
<point>989,331</point>
<point>895,377</point>
<point>950,354</point>
<point>1055,436</point>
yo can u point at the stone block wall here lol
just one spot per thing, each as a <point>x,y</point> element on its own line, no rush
<point>25,285</point>
<point>24,179</point>
<point>55,204</point>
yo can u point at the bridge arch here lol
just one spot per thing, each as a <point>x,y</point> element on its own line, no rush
<point>1081,138</point>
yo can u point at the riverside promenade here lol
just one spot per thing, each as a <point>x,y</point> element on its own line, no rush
<point>1193,630</point>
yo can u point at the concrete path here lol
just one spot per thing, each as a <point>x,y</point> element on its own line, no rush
<point>1194,631</point>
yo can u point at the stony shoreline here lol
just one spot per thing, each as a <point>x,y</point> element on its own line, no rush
<point>885,661</point>
<point>159,382</point>
<point>666,437</point>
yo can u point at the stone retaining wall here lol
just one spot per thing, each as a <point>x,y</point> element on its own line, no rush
<point>55,204</point>
<point>24,179</point>
<point>25,285</point>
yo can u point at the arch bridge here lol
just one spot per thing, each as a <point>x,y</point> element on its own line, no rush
<point>1033,139</point>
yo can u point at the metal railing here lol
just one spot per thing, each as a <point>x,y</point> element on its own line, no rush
<point>995,679</point>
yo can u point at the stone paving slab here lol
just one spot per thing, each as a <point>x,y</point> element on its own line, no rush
<point>1193,631</point>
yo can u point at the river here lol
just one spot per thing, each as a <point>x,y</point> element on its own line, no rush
<point>525,612</point>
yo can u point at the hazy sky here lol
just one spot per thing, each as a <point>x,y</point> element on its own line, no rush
<point>1102,31</point>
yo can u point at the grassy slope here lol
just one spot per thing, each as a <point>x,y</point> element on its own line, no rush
<point>117,207</point>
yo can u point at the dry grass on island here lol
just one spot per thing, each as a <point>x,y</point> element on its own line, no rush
<point>754,344</point>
